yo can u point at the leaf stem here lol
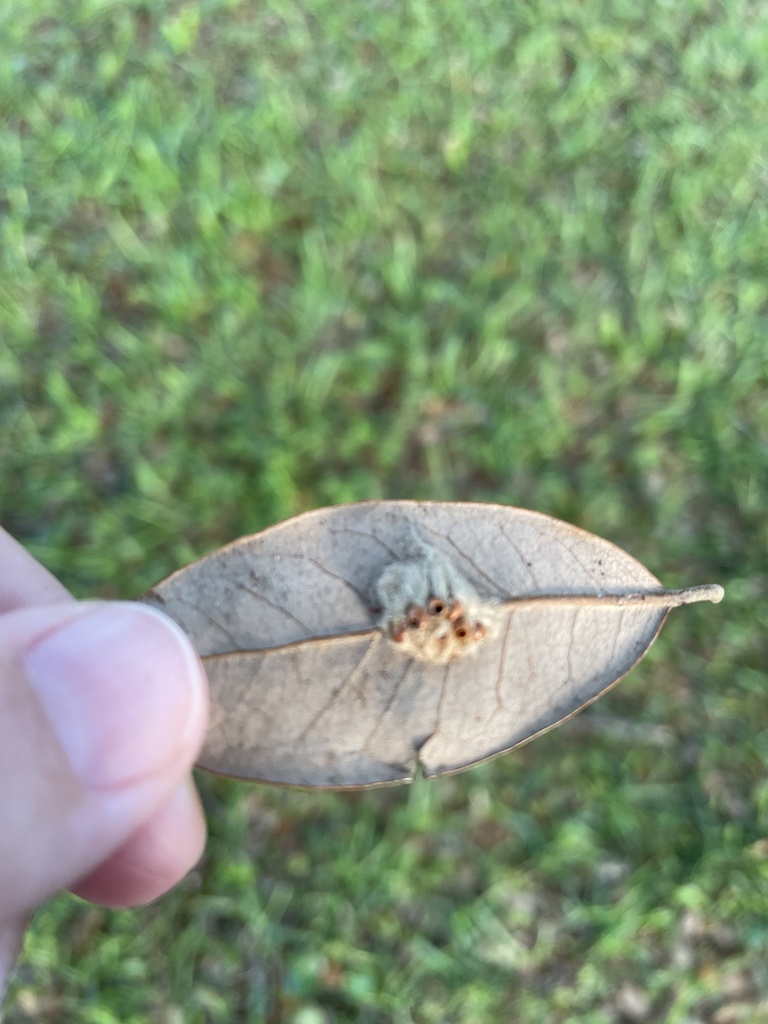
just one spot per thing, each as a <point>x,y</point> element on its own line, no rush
<point>647,598</point>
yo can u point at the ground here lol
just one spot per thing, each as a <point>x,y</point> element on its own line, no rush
<point>259,258</point>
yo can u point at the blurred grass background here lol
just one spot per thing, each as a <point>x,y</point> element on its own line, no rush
<point>261,257</point>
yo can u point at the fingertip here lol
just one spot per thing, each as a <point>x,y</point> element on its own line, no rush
<point>124,692</point>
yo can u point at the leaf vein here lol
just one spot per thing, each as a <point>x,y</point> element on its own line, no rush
<point>337,692</point>
<point>272,604</point>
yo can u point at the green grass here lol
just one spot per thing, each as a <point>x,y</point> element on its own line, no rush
<point>258,258</point>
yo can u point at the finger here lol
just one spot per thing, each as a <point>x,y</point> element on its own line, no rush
<point>23,581</point>
<point>11,941</point>
<point>155,858</point>
<point>102,711</point>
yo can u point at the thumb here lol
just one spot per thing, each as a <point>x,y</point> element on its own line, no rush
<point>102,712</point>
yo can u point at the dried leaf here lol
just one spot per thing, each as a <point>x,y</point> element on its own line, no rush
<point>349,645</point>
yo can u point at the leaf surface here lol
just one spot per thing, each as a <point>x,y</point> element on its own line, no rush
<point>312,684</point>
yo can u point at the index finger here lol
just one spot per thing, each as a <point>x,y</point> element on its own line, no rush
<point>25,583</point>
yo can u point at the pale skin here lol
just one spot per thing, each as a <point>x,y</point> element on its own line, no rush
<point>103,709</point>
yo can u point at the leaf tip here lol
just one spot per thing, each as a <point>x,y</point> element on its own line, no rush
<point>712,592</point>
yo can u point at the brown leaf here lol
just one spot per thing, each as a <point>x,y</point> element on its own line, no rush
<point>348,645</point>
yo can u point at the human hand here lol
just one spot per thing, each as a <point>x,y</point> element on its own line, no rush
<point>103,708</point>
